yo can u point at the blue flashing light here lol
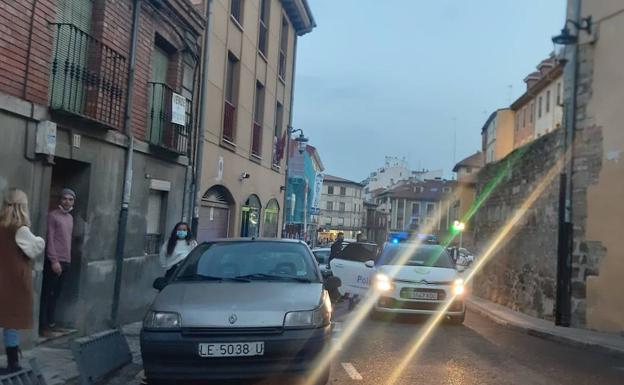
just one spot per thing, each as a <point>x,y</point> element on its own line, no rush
<point>395,240</point>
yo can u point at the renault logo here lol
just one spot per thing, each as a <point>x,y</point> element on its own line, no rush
<point>233,318</point>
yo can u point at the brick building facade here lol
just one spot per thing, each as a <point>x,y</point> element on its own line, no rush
<point>64,71</point>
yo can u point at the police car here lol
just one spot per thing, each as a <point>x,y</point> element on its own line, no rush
<point>355,267</point>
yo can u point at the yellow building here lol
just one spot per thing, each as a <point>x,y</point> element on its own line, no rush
<point>465,194</point>
<point>498,135</point>
<point>247,105</point>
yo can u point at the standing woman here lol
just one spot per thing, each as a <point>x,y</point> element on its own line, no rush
<point>177,248</point>
<point>19,248</point>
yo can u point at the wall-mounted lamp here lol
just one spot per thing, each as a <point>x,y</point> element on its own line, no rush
<point>243,176</point>
<point>302,141</point>
<point>566,37</point>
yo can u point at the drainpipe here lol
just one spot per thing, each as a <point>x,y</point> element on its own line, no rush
<point>127,185</point>
<point>563,308</point>
<point>289,129</point>
<point>201,126</point>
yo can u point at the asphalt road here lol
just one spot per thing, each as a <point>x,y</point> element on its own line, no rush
<point>479,352</point>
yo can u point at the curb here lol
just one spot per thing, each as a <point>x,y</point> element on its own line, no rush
<point>545,334</point>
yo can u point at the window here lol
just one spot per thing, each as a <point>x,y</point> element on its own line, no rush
<point>330,190</point>
<point>277,132</point>
<point>330,206</point>
<point>532,113</point>
<point>517,121</point>
<point>415,210</point>
<point>468,170</point>
<point>283,48</point>
<point>156,201</point>
<point>559,93</point>
<point>343,191</point>
<point>539,107</point>
<point>446,189</point>
<point>236,10</point>
<point>524,115</point>
<point>341,206</point>
<point>231,96</point>
<point>340,221</point>
<point>158,92</point>
<point>263,34</point>
<point>430,209</point>
<point>548,101</point>
<point>328,221</point>
<point>256,140</point>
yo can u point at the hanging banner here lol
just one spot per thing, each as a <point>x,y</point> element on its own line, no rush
<point>317,192</point>
<point>178,109</point>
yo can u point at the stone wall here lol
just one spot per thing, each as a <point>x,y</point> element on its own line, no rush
<point>521,274</point>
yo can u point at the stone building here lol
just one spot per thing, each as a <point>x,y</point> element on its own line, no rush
<point>462,209</point>
<point>342,208</point>
<point>69,118</point>
<point>248,104</point>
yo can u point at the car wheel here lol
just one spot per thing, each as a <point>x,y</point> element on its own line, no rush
<point>457,320</point>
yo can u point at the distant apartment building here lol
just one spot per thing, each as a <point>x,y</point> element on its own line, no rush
<point>342,207</point>
<point>248,108</point>
<point>498,135</point>
<point>539,110</point>
<point>422,206</point>
<point>394,171</point>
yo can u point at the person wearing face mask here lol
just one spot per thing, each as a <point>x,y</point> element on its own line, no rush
<point>177,248</point>
<point>57,260</point>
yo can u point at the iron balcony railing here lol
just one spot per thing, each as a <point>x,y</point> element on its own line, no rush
<point>169,118</point>
<point>88,78</point>
<point>256,142</point>
<point>229,121</point>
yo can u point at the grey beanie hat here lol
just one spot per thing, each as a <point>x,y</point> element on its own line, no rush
<point>68,191</point>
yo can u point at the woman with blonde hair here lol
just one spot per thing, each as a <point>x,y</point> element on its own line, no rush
<point>19,247</point>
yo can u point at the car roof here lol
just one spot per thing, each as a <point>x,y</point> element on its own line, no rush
<point>252,240</point>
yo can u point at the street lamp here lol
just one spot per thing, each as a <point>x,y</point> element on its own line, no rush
<point>567,38</point>
<point>459,227</point>
<point>302,144</point>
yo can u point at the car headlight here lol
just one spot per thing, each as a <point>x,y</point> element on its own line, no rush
<point>383,282</point>
<point>458,287</point>
<point>162,320</point>
<point>319,317</point>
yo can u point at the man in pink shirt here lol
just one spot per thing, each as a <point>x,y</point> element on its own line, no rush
<point>58,258</point>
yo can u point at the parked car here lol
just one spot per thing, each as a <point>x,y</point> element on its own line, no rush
<point>238,309</point>
<point>322,257</point>
<point>414,278</point>
<point>354,267</point>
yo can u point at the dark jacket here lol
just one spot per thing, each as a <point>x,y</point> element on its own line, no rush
<point>16,291</point>
<point>336,248</point>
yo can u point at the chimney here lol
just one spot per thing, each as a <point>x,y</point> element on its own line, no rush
<point>532,79</point>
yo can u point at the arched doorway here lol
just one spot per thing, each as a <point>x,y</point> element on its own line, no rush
<point>214,214</point>
<point>250,217</point>
<point>270,227</point>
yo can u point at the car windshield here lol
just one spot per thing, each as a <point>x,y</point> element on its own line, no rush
<point>432,256</point>
<point>249,261</point>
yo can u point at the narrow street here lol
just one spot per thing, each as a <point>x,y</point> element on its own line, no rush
<point>479,352</point>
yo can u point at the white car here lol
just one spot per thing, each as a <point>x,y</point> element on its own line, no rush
<point>413,278</point>
<point>354,266</point>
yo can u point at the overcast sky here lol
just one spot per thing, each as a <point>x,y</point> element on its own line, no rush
<point>397,77</point>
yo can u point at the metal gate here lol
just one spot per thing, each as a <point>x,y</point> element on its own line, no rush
<point>213,223</point>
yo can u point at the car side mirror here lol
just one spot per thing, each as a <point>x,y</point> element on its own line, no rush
<point>369,264</point>
<point>160,283</point>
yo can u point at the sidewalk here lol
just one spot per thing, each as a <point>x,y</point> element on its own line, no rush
<point>612,344</point>
<point>56,360</point>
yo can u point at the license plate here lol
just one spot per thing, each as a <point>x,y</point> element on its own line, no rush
<point>236,349</point>
<point>422,295</point>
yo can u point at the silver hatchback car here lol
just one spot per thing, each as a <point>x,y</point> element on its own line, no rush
<point>238,309</point>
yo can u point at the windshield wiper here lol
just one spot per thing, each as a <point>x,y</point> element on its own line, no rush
<point>200,277</point>
<point>270,277</point>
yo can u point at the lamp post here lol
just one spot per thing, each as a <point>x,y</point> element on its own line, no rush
<point>563,305</point>
<point>302,143</point>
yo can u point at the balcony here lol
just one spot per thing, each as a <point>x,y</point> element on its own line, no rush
<point>88,78</point>
<point>169,119</point>
<point>256,142</point>
<point>229,121</point>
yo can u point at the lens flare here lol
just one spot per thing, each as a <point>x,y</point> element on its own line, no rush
<point>499,239</point>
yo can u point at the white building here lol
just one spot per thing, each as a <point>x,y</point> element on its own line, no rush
<point>394,171</point>
<point>342,207</point>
